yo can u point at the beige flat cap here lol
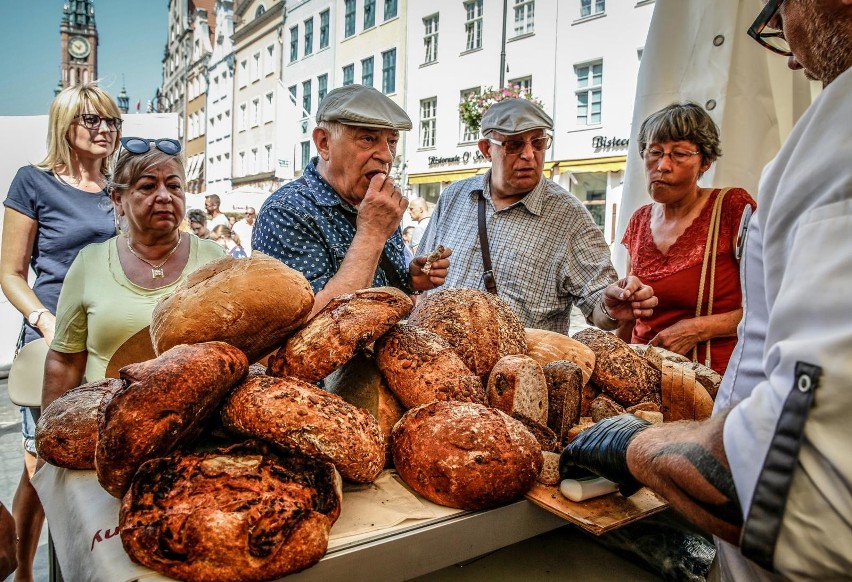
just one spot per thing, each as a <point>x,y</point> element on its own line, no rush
<point>512,116</point>
<point>362,106</point>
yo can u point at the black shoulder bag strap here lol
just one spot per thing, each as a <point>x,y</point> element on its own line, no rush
<point>488,271</point>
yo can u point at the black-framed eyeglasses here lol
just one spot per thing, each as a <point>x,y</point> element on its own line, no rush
<point>516,146</point>
<point>141,145</point>
<point>93,121</point>
<point>768,37</point>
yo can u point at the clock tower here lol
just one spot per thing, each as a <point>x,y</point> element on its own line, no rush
<point>79,40</point>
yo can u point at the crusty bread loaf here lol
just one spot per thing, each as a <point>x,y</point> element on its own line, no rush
<point>603,407</point>
<point>564,396</point>
<point>619,371</point>
<point>359,382</point>
<point>164,405</point>
<point>478,325</point>
<point>707,377</point>
<point>252,304</point>
<point>683,397</point>
<point>550,469</point>
<point>240,514</point>
<point>545,346</point>
<point>465,455</point>
<point>590,392</point>
<point>347,324</point>
<point>546,438</point>
<point>516,384</point>
<point>67,431</point>
<point>300,417</point>
<point>420,367</point>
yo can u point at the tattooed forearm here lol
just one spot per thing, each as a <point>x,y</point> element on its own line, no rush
<point>714,473</point>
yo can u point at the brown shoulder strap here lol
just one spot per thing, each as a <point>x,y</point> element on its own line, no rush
<point>488,271</point>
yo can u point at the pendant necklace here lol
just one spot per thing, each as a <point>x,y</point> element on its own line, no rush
<point>156,270</point>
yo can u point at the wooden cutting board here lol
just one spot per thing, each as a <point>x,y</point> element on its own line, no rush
<point>598,515</point>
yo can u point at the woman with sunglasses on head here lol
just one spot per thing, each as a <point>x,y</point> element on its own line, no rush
<point>666,240</point>
<point>53,209</point>
<point>112,287</point>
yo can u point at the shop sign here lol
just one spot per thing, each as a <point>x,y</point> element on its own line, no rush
<point>600,141</point>
<point>467,157</point>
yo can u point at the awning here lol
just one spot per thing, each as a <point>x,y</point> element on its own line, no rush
<point>430,178</point>
<point>611,164</point>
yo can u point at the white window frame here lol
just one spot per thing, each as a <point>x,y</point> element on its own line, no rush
<point>269,61</point>
<point>241,164</point>
<point>592,7</point>
<point>308,42</point>
<point>254,112</point>
<point>428,122</point>
<point>294,43</point>
<point>524,11</point>
<point>269,107</point>
<point>255,67</point>
<point>243,73</point>
<point>242,118</point>
<point>430,38</point>
<point>589,92</point>
<point>473,24</point>
<point>267,158</point>
<point>524,83</point>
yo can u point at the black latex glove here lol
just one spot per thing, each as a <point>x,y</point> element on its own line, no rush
<point>602,450</point>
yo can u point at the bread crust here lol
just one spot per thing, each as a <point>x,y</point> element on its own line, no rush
<point>163,405</point>
<point>241,513</point>
<point>253,304</point>
<point>420,367</point>
<point>298,416</point>
<point>465,455</point>
<point>564,396</point>
<point>545,346</point>
<point>516,384</point>
<point>67,430</point>
<point>348,323</point>
<point>478,325</point>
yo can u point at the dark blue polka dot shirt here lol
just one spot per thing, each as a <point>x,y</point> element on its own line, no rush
<point>302,224</point>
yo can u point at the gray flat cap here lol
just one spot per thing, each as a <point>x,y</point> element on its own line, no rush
<point>362,106</point>
<point>511,116</point>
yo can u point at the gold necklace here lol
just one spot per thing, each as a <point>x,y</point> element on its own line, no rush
<point>156,270</point>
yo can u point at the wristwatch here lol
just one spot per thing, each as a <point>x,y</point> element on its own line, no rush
<point>33,317</point>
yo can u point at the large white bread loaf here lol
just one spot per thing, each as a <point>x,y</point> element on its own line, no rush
<point>347,324</point>
<point>480,326</point>
<point>420,367</point>
<point>517,384</point>
<point>252,304</point>
<point>465,455</point>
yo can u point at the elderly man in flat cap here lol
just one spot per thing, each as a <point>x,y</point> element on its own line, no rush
<point>339,223</point>
<point>546,253</point>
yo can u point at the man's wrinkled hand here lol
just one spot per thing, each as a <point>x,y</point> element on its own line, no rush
<point>437,274</point>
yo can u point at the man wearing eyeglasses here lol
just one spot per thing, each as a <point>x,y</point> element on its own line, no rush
<point>545,250</point>
<point>770,472</point>
<point>243,228</point>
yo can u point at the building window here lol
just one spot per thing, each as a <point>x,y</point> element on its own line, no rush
<point>367,72</point>
<point>269,107</point>
<point>322,87</point>
<point>267,158</point>
<point>589,81</point>
<point>349,19</point>
<point>242,118</point>
<point>241,164</point>
<point>524,16</point>
<point>430,38</point>
<point>428,117</point>
<point>269,61</point>
<point>389,71</point>
<point>309,36</point>
<point>348,74</point>
<point>323,29</point>
<point>306,153</point>
<point>369,14</point>
<point>255,67</point>
<point>586,7</point>
<point>294,43</point>
<point>466,134</point>
<point>524,83</point>
<point>254,114</point>
<point>473,24</point>
<point>306,96</point>
<point>260,10</point>
<point>292,89</point>
<point>243,73</point>
<point>390,9</point>
<point>253,161</point>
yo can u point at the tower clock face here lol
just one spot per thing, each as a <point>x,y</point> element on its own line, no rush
<point>78,47</point>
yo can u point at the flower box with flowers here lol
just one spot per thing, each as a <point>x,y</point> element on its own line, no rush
<point>474,105</point>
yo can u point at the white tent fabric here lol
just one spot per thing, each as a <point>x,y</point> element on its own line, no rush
<point>698,50</point>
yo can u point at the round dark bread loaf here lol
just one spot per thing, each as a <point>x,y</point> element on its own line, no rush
<point>619,371</point>
<point>163,406</point>
<point>252,304</point>
<point>480,326</point>
<point>420,367</point>
<point>298,416</point>
<point>67,430</point>
<point>330,339</point>
<point>243,513</point>
<point>465,455</point>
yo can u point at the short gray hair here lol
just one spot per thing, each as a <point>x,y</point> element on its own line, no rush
<point>682,122</point>
<point>334,128</point>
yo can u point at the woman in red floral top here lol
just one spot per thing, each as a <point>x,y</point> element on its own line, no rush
<point>665,240</point>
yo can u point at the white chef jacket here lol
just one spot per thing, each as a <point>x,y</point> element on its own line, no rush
<point>797,294</point>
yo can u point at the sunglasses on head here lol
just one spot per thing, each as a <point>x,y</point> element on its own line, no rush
<point>141,145</point>
<point>93,121</point>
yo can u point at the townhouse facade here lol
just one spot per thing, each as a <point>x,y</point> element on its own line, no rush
<point>220,98</point>
<point>196,95</point>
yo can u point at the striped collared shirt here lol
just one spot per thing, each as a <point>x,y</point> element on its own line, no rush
<point>546,251</point>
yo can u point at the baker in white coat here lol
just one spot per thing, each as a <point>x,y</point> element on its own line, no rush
<point>770,473</point>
